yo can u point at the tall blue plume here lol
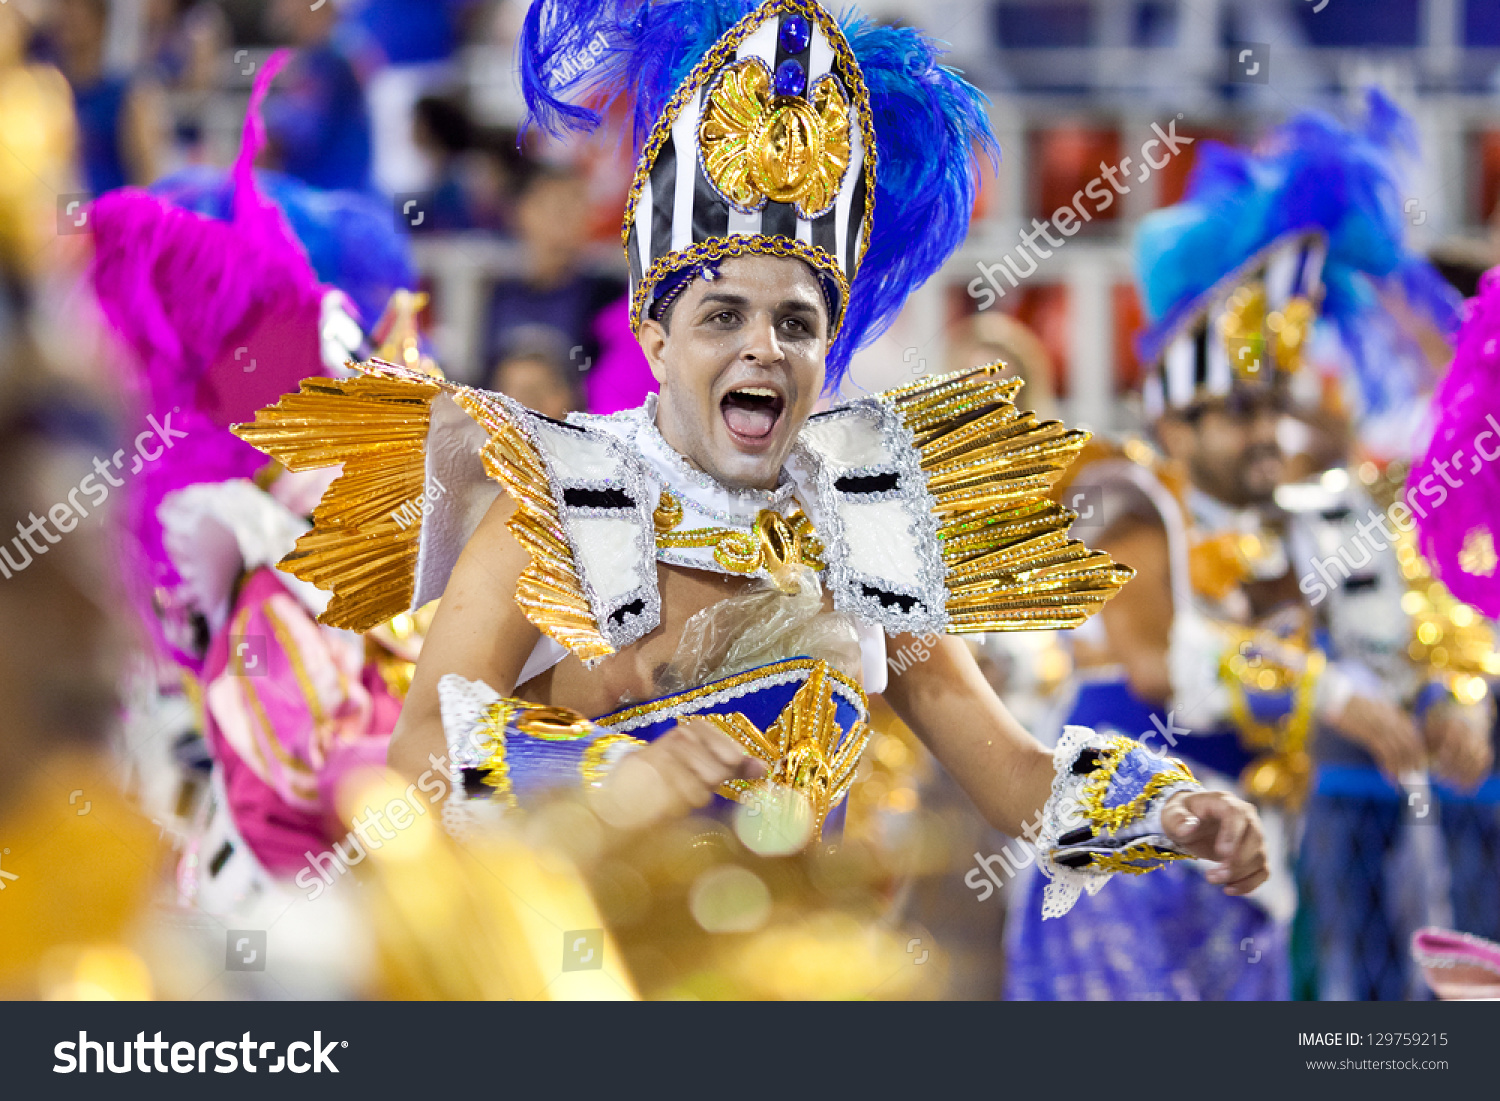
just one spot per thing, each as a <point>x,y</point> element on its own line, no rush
<point>930,127</point>
<point>578,57</point>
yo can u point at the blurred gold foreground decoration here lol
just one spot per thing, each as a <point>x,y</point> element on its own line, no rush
<point>684,910</point>
<point>485,920</point>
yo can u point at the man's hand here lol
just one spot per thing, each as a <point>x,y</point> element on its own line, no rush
<point>1214,825</point>
<point>673,776</point>
<point>1459,745</point>
<point>1385,731</point>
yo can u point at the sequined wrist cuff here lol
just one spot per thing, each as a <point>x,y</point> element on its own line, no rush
<point>1104,814</point>
<point>507,752</point>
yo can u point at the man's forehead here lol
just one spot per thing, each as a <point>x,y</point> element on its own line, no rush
<point>761,280</point>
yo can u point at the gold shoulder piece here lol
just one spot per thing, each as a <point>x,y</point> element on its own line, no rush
<point>363,544</point>
<point>367,530</point>
<point>1010,564</point>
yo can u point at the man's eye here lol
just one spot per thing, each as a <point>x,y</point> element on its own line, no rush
<point>796,324</point>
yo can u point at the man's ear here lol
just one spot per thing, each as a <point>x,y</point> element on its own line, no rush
<point>653,341</point>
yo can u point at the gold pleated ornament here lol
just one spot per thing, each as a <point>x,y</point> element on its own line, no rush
<point>1010,565</point>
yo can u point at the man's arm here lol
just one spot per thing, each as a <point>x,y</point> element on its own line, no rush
<point>949,705</point>
<point>479,632</point>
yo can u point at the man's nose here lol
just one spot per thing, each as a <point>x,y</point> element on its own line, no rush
<point>761,344</point>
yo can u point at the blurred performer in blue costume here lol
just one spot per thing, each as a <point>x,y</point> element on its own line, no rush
<point>682,606</point>
<point>1213,652</point>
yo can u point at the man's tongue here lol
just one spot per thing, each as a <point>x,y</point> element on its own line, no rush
<point>754,420</point>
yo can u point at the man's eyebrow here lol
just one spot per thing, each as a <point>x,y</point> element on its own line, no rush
<point>801,305</point>
<point>724,298</point>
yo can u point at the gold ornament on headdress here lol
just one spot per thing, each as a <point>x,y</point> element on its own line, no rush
<point>758,146</point>
<point>1250,332</point>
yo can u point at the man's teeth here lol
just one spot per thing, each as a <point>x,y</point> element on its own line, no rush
<point>756,392</point>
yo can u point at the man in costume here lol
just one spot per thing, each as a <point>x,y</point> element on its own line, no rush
<point>1358,817</point>
<point>714,577</point>
<point>1212,651</point>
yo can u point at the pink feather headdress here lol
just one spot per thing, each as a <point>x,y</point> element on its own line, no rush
<point>221,318</point>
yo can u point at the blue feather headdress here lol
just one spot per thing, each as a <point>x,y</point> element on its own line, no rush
<point>889,141</point>
<point>1316,213</point>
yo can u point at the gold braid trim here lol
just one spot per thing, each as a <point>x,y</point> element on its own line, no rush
<point>1124,860</point>
<point>1110,819</point>
<point>593,765</point>
<point>550,591</point>
<point>362,546</point>
<point>772,542</point>
<point>726,248</point>
<point>989,466</point>
<point>496,767</point>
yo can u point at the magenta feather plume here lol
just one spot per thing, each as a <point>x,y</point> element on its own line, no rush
<point>220,318</point>
<point>178,288</point>
<point>1460,530</point>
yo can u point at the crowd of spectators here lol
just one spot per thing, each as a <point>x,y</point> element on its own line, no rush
<point>402,99</point>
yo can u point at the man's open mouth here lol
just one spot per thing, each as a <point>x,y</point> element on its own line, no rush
<point>751,412</point>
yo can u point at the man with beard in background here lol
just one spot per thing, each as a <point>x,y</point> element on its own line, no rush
<point>1213,652</point>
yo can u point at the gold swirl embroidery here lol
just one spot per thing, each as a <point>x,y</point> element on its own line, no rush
<point>758,146</point>
<point>773,543</point>
<point>1110,819</point>
<point>1125,860</point>
<point>668,513</point>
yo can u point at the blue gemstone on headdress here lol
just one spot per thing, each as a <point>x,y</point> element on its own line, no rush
<point>795,34</point>
<point>791,78</point>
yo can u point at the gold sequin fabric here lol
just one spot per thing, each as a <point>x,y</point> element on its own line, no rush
<point>1009,564</point>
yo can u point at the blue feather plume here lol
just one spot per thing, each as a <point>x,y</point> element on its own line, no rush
<point>930,127</point>
<point>577,57</point>
<point>1312,173</point>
